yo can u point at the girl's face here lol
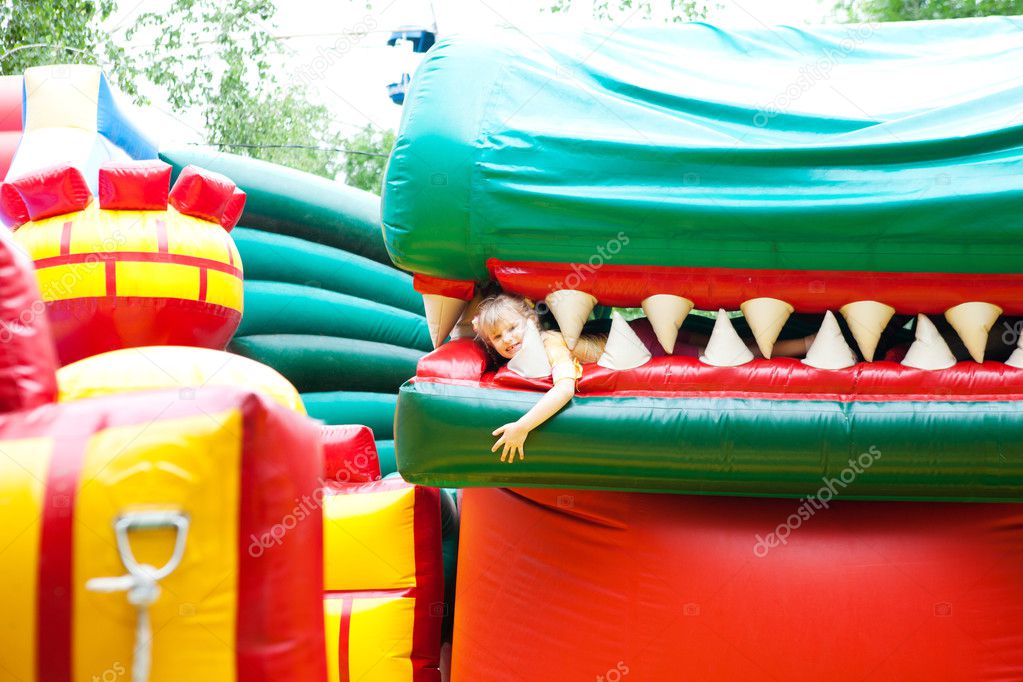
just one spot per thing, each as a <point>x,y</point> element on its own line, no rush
<point>506,335</point>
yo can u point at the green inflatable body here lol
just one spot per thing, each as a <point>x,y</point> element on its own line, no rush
<point>326,363</point>
<point>719,165</point>
<point>933,449</point>
<point>280,308</point>
<point>294,203</point>
<point>375,410</point>
<point>281,258</point>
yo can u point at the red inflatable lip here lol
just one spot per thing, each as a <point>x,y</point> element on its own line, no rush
<point>808,291</point>
<point>463,362</point>
<point>89,326</point>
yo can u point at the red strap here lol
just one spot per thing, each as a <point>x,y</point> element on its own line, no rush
<point>55,594</point>
<point>455,288</point>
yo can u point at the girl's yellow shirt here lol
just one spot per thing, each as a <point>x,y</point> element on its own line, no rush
<point>565,363</point>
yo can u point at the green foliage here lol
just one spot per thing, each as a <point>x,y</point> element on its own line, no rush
<point>366,158</point>
<point>198,49</point>
<point>912,10</point>
<point>218,57</point>
<point>278,125</point>
<point>210,56</point>
<point>57,31</point>
<point>670,10</point>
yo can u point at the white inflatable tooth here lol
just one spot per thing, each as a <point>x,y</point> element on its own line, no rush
<point>531,361</point>
<point>929,350</point>
<point>867,320</point>
<point>766,317</point>
<point>829,349</point>
<point>725,348</point>
<point>1016,359</point>
<point>442,313</point>
<point>972,321</point>
<point>666,313</point>
<point>623,350</point>
<point>571,309</point>
<point>463,328</point>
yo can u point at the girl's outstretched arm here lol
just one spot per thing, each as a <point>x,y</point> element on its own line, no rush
<point>513,435</point>
<point>564,371</point>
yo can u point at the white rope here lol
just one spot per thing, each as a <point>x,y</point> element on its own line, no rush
<point>142,591</point>
<point>142,580</point>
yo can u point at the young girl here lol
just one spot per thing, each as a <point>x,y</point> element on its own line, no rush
<point>501,324</point>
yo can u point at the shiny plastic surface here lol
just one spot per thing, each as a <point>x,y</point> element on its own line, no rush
<point>138,185</point>
<point>349,454</point>
<point>685,147</point>
<point>50,191</point>
<point>384,581</point>
<point>290,202</point>
<point>572,585</point>
<point>246,602</point>
<point>27,359</point>
<point>182,368</point>
<point>735,445</point>
<point>203,194</point>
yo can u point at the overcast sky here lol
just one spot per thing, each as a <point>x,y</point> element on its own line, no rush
<point>349,73</point>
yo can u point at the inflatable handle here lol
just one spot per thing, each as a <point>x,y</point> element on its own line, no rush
<point>203,194</point>
<point>134,185</point>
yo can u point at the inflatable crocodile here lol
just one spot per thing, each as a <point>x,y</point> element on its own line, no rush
<point>872,171</point>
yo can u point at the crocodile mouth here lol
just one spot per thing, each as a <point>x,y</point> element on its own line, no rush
<point>623,187</point>
<point>766,299</point>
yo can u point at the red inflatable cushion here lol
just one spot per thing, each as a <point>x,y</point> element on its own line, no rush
<point>787,376</point>
<point>13,210</point>
<point>134,185</point>
<point>465,360</point>
<point>201,193</point>
<point>349,454</point>
<point>28,362</point>
<point>51,191</point>
<point>233,211</point>
<point>632,587</point>
<point>458,359</point>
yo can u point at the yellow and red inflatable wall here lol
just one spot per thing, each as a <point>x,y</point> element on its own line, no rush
<point>383,569</point>
<point>145,265</point>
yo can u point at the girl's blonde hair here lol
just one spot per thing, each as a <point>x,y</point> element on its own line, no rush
<point>493,309</point>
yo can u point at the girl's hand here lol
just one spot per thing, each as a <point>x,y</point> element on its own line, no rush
<point>513,438</point>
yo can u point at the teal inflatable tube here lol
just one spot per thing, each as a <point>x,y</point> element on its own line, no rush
<point>385,452</point>
<point>280,258</point>
<point>325,363</point>
<point>288,201</point>
<point>281,308</point>
<point>912,449</point>
<point>375,410</point>
<point>449,549</point>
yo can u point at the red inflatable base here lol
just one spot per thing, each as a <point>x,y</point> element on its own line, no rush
<point>570,585</point>
<point>83,327</point>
